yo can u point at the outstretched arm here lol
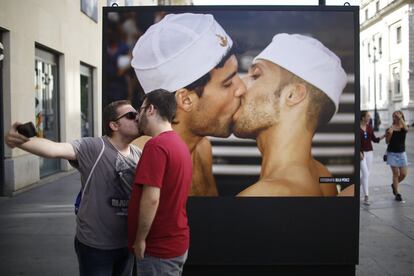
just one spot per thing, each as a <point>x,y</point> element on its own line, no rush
<point>39,146</point>
<point>376,139</point>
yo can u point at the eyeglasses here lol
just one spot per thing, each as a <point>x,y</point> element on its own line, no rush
<point>129,115</point>
<point>143,108</point>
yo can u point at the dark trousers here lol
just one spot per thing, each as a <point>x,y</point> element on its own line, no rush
<point>100,262</point>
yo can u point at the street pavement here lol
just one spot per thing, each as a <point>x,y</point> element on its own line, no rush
<point>37,230</point>
<point>386,226</point>
<point>37,226</point>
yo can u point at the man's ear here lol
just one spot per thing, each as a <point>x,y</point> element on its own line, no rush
<point>184,98</point>
<point>114,126</point>
<point>297,92</point>
<point>151,109</point>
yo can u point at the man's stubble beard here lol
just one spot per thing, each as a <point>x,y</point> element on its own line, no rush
<point>257,116</point>
<point>127,134</point>
<point>201,125</point>
<point>142,126</point>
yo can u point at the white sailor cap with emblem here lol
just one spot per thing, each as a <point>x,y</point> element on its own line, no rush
<point>310,60</point>
<point>178,50</point>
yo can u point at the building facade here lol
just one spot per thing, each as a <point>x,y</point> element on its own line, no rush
<point>387,52</point>
<point>50,74</point>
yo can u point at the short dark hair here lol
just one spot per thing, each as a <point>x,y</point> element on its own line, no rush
<point>320,107</point>
<point>363,113</point>
<point>110,113</point>
<point>164,101</point>
<point>199,84</point>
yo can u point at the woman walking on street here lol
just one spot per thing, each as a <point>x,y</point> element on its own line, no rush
<point>396,156</point>
<point>367,137</point>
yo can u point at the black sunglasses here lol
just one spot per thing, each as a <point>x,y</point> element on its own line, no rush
<point>129,115</point>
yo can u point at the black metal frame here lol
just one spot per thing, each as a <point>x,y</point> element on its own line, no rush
<point>2,177</point>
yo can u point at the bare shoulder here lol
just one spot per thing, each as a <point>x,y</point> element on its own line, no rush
<point>203,151</point>
<point>203,179</point>
<point>321,169</point>
<point>294,180</point>
<point>203,146</point>
<point>269,188</point>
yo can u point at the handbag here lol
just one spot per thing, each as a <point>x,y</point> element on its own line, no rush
<point>82,190</point>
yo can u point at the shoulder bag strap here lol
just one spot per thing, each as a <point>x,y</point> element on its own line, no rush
<point>93,167</point>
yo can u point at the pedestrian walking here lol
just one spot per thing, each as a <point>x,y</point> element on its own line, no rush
<point>367,137</point>
<point>396,156</point>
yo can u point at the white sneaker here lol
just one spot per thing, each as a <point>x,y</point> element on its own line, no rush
<point>366,202</point>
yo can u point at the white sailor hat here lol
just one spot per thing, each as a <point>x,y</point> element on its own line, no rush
<point>310,60</point>
<point>178,50</point>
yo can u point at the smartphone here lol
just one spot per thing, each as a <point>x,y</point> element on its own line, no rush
<point>27,129</point>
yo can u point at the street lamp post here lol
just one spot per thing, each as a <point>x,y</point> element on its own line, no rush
<point>377,120</point>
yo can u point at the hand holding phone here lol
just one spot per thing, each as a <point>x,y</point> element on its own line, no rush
<point>27,129</point>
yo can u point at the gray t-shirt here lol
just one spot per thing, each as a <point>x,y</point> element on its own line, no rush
<point>102,216</point>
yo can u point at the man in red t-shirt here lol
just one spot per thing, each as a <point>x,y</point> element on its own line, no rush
<point>158,232</point>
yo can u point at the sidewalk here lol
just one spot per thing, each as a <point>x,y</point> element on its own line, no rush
<point>38,226</point>
<point>37,230</point>
<point>387,226</point>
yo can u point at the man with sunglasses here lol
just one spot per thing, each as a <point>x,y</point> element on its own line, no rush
<point>107,167</point>
<point>191,55</point>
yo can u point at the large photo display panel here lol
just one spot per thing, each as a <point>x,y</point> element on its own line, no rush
<point>293,229</point>
<point>235,161</point>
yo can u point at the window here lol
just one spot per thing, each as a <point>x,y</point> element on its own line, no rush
<point>366,14</point>
<point>380,86</point>
<point>86,90</point>
<point>369,90</point>
<point>380,46</point>
<point>164,2</point>
<point>398,34</point>
<point>90,8</point>
<point>46,104</point>
<point>396,82</point>
<point>369,49</point>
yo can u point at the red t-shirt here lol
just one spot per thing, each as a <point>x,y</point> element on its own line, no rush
<point>165,163</point>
